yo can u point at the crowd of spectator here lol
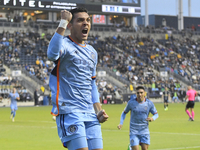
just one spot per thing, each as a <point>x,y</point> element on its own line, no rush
<point>175,56</point>
<point>134,59</point>
<point>186,63</point>
<point>26,50</point>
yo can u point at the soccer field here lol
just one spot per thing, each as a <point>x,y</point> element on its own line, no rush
<point>34,129</point>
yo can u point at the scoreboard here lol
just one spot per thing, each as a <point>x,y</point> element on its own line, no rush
<point>128,7</point>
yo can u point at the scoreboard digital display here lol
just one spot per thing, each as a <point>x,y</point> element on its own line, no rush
<point>125,7</point>
<point>121,9</point>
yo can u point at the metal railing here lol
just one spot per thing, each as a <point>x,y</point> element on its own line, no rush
<point>99,28</point>
<point>10,24</point>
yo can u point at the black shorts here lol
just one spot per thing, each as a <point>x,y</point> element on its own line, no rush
<point>190,104</point>
<point>165,99</point>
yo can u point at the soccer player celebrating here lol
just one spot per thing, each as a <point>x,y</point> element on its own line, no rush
<point>75,96</point>
<point>165,97</point>
<point>14,96</point>
<point>190,95</point>
<point>140,108</point>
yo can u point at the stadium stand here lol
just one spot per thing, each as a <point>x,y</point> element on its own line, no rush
<point>132,59</point>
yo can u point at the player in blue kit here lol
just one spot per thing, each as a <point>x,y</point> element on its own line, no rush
<point>74,92</point>
<point>14,96</point>
<point>140,108</point>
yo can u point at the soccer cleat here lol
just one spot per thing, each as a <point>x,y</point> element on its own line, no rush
<point>13,120</point>
<point>190,119</point>
<point>166,108</point>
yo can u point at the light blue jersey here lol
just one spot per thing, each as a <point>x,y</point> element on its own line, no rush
<point>13,97</point>
<point>139,114</point>
<point>71,80</point>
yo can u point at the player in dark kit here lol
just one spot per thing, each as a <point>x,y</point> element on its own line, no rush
<point>166,98</point>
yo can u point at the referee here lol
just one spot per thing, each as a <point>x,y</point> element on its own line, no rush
<point>191,94</point>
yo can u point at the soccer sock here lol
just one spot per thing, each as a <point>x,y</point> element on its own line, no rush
<point>187,111</point>
<point>192,114</point>
<point>11,112</point>
<point>167,105</point>
<point>14,113</point>
<point>164,106</point>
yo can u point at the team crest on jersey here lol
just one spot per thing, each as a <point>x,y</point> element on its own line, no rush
<point>132,141</point>
<point>145,107</point>
<point>93,56</point>
<point>72,129</point>
<point>76,51</point>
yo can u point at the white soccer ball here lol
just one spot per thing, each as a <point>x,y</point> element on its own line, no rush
<point>54,118</point>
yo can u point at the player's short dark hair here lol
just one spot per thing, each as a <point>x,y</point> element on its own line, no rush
<point>77,10</point>
<point>140,87</point>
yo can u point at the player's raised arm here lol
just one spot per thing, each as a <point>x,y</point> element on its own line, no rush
<point>55,45</point>
<point>66,17</point>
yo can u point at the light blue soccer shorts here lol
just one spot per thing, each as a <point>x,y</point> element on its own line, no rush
<point>79,130</point>
<point>13,107</point>
<point>138,139</point>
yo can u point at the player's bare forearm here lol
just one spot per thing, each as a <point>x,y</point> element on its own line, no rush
<point>101,114</point>
<point>97,107</point>
<point>67,16</point>
<point>60,31</point>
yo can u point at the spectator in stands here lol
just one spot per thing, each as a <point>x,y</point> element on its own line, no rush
<point>37,62</point>
<point>20,91</point>
<point>117,95</point>
<point>42,88</point>
<point>174,95</point>
<point>182,94</point>
<point>32,73</point>
<point>36,96</point>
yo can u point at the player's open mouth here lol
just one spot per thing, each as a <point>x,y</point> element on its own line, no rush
<point>85,31</point>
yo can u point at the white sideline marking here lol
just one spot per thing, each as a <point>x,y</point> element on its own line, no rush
<point>179,148</point>
<point>14,125</point>
<point>41,121</point>
<point>175,133</point>
<point>152,132</point>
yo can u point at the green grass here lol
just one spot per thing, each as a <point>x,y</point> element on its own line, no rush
<point>34,129</point>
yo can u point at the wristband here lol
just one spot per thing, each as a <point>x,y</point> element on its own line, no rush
<point>63,23</point>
